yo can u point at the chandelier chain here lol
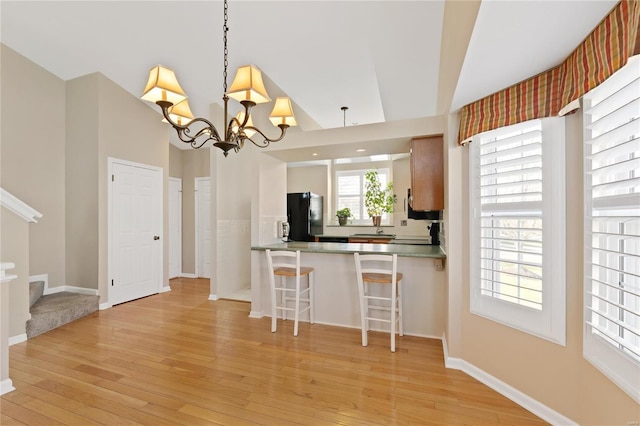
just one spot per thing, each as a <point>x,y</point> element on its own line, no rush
<point>225,29</point>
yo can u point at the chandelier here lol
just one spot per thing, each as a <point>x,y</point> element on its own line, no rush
<point>247,88</point>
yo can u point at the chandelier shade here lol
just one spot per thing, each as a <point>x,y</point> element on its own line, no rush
<point>282,113</point>
<point>248,127</point>
<point>163,86</point>
<point>248,86</point>
<point>180,113</point>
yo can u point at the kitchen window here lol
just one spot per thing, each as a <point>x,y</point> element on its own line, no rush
<point>350,190</point>
<point>612,227</point>
<point>517,218</point>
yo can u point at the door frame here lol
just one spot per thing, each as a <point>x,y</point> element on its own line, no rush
<point>179,180</point>
<point>111,162</point>
<point>197,220</point>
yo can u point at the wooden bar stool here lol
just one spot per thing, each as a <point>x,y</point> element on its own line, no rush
<point>287,264</point>
<point>372,269</point>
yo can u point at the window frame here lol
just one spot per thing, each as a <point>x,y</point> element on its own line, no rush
<point>387,218</point>
<point>549,322</point>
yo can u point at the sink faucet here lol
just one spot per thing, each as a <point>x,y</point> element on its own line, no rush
<point>379,230</point>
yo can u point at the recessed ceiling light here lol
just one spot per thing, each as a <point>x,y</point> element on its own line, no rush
<point>315,154</point>
<point>360,150</point>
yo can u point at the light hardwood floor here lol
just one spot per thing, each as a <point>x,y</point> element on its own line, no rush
<point>177,358</point>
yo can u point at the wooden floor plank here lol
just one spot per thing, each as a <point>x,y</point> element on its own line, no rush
<point>179,358</point>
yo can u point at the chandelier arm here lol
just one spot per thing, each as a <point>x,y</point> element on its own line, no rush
<point>185,130</point>
<point>234,120</point>
<point>267,140</point>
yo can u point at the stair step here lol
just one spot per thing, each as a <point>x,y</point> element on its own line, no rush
<point>36,289</point>
<point>57,309</point>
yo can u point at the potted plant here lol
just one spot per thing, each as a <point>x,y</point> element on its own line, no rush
<point>377,200</point>
<point>343,215</point>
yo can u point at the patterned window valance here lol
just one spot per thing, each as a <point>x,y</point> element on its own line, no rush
<point>553,92</point>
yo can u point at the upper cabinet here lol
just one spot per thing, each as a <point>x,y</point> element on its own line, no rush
<point>427,175</point>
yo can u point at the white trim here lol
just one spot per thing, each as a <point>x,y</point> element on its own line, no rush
<point>549,322</point>
<point>6,386</point>
<point>256,314</point>
<point>111,161</point>
<point>165,289</point>
<point>520,398</point>
<point>213,297</point>
<point>185,275</point>
<point>4,267</point>
<point>71,289</point>
<point>19,207</point>
<point>179,180</point>
<point>14,340</point>
<point>104,306</point>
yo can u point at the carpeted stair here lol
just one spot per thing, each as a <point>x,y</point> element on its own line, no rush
<point>54,310</point>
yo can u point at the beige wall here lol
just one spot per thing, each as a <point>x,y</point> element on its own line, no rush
<point>194,163</point>
<point>309,179</point>
<point>175,161</point>
<point>82,240</point>
<point>33,159</point>
<point>129,130</point>
<point>105,122</point>
<point>557,376</point>
<point>14,248</point>
<point>233,178</point>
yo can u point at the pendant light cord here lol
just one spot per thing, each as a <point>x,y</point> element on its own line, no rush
<point>225,29</point>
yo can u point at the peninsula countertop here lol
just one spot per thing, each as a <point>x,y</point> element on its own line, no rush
<point>402,250</point>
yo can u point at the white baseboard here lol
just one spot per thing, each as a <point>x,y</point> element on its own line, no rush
<point>14,340</point>
<point>185,275</point>
<point>6,386</point>
<point>213,297</point>
<point>104,306</point>
<point>165,289</point>
<point>71,289</point>
<point>256,314</point>
<point>520,398</point>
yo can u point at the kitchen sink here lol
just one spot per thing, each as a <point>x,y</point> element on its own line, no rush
<point>374,235</point>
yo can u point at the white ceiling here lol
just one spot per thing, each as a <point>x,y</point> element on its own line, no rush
<point>379,58</point>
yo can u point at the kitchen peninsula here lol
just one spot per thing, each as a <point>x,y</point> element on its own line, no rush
<point>336,291</point>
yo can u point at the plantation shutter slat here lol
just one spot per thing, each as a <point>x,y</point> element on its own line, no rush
<point>612,221</point>
<point>511,214</point>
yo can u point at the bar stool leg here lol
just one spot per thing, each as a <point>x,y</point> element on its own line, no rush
<point>364,314</point>
<point>311,283</point>
<point>274,311</point>
<point>296,314</point>
<point>400,309</point>
<point>393,317</point>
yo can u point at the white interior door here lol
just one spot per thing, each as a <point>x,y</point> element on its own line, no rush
<point>135,231</point>
<point>175,227</point>
<point>203,227</point>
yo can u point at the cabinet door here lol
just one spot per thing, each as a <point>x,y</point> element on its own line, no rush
<point>427,175</point>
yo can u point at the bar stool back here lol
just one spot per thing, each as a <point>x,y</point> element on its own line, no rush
<point>374,269</point>
<point>286,264</point>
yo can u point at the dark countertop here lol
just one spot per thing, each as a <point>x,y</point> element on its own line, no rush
<point>402,250</point>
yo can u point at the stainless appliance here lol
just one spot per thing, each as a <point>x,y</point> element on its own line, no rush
<point>304,214</point>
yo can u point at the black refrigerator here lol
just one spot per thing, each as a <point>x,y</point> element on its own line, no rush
<point>304,214</point>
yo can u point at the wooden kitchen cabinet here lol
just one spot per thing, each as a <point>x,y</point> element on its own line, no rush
<point>427,173</point>
<point>369,240</point>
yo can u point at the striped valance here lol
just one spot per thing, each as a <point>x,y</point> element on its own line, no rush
<point>602,53</point>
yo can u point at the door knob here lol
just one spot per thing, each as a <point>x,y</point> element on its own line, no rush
<point>156,237</point>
